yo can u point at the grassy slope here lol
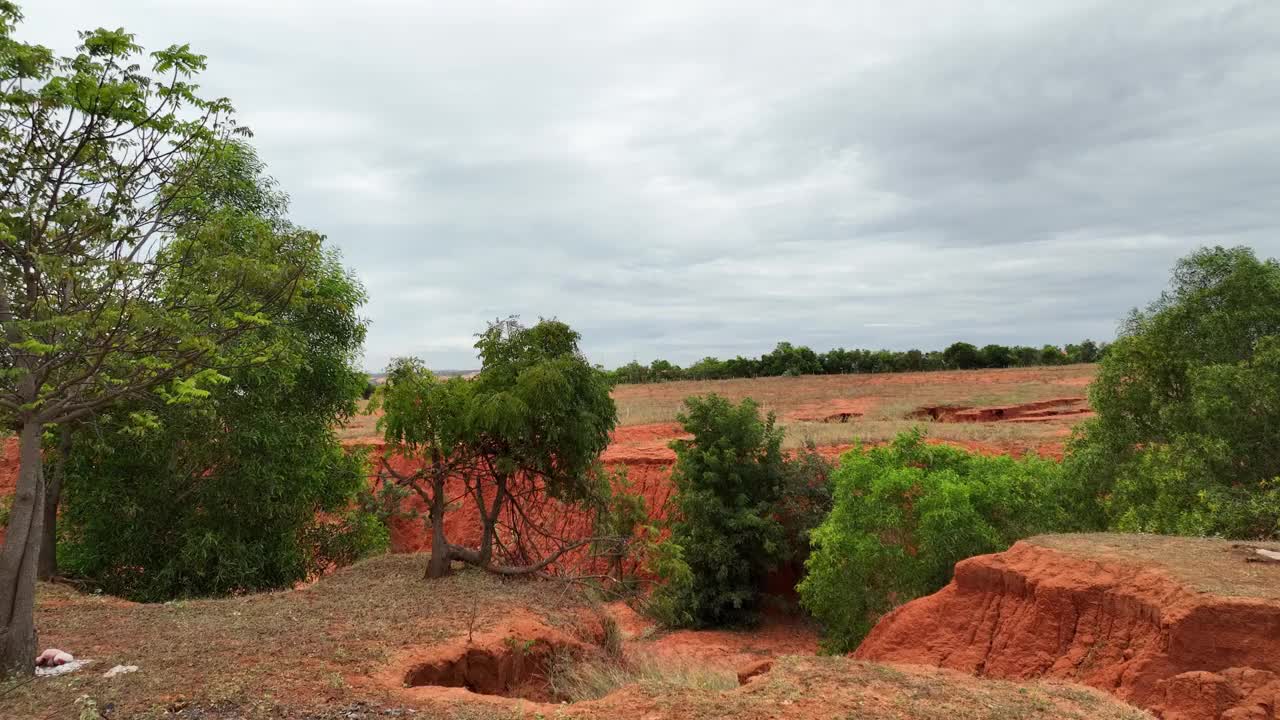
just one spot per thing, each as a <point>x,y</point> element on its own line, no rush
<point>259,650</point>
<point>310,653</point>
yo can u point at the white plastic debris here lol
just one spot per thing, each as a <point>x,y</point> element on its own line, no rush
<point>120,670</point>
<point>1268,554</point>
<point>63,669</point>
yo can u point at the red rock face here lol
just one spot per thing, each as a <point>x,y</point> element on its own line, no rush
<point>1133,631</point>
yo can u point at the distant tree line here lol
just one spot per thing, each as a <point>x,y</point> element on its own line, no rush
<point>793,360</point>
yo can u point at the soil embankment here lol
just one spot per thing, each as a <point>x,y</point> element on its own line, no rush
<point>1183,647</point>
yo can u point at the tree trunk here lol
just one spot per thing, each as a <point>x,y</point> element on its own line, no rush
<point>438,567</point>
<point>18,560</point>
<point>47,568</point>
<point>489,520</point>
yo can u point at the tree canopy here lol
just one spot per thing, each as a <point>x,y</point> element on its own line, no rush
<point>128,261</point>
<point>528,428</point>
<point>248,489</point>
<point>1188,402</point>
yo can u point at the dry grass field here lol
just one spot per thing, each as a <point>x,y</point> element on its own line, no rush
<point>838,409</point>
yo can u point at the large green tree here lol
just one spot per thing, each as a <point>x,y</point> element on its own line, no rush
<point>248,489</point>
<point>528,428</point>
<point>1188,406</point>
<point>116,277</point>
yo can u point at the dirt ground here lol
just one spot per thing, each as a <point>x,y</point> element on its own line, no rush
<point>344,648</point>
<point>1186,627</point>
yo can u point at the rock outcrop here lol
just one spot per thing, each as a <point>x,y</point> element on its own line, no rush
<point>1132,630</point>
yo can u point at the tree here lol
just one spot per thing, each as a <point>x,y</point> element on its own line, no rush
<point>1086,352</point>
<point>962,355</point>
<point>904,514</point>
<point>115,276</point>
<point>1187,404</point>
<point>996,356</point>
<point>425,421</point>
<point>528,428</point>
<point>729,479</point>
<point>1052,355</point>
<point>248,489</point>
<point>708,368</point>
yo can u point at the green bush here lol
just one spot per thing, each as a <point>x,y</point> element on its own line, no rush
<point>246,488</point>
<point>728,479</point>
<point>1188,402</point>
<point>904,514</point>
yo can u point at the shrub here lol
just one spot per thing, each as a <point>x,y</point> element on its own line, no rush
<point>904,514</point>
<point>245,489</point>
<point>1187,401</point>
<point>729,479</point>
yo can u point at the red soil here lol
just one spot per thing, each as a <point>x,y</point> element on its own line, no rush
<point>1129,629</point>
<point>835,411</point>
<point>8,473</point>
<point>643,451</point>
<point>1039,411</point>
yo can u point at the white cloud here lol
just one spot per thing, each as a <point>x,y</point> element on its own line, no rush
<point>688,178</point>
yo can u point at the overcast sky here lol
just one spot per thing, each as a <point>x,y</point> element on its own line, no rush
<point>678,179</point>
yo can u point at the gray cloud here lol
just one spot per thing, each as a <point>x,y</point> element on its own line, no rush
<point>681,179</point>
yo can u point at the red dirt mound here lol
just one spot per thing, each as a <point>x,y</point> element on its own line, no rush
<point>644,444</point>
<point>1130,629</point>
<point>835,411</point>
<point>1039,411</point>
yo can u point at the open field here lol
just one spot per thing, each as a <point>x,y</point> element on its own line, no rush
<point>832,410</point>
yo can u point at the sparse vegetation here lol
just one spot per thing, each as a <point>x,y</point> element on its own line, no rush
<point>591,678</point>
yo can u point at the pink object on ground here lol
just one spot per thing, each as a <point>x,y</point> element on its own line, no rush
<point>53,657</point>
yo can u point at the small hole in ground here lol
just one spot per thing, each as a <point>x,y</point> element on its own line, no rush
<point>515,668</point>
<point>544,671</point>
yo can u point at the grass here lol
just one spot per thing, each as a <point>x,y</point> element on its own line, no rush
<point>838,687</point>
<point>1206,564</point>
<point>887,401</point>
<point>259,651</point>
<point>1001,434</point>
<point>591,678</point>
<point>893,395</point>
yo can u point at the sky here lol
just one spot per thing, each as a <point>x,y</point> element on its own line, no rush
<point>682,179</point>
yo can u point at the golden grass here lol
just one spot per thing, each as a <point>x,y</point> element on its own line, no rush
<point>591,678</point>
<point>892,395</point>
<point>888,399</point>
<point>1207,564</point>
